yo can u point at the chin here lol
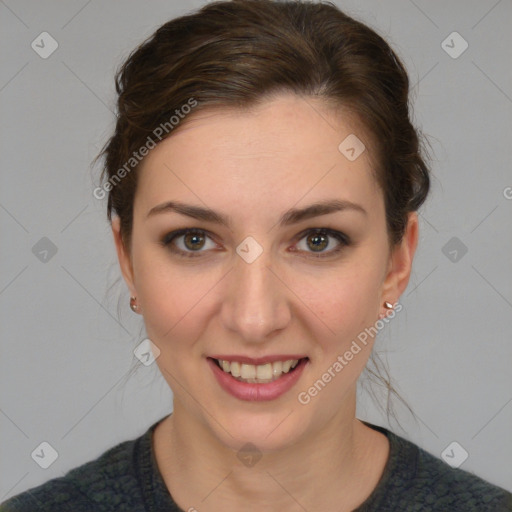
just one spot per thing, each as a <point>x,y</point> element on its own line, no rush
<point>267,431</point>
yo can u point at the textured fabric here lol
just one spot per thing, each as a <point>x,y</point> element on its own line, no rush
<point>126,478</point>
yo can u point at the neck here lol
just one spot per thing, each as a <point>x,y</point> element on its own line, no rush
<point>201,472</point>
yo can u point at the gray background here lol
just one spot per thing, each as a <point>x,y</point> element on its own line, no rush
<point>66,355</point>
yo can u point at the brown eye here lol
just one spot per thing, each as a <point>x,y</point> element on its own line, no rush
<point>317,240</point>
<point>194,242</point>
<point>188,242</point>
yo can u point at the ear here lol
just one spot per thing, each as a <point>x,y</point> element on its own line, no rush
<point>400,262</point>
<point>123,256</point>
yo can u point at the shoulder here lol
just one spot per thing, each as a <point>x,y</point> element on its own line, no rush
<point>442,487</point>
<point>451,487</point>
<point>416,480</point>
<point>107,483</point>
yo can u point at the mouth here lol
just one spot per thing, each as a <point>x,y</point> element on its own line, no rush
<point>263,373</point>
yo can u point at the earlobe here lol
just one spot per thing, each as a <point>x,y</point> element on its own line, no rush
<point>123,256</point>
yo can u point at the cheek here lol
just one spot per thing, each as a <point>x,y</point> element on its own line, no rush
<point>159,289</point>
<point>172,310</point>
<point>334,304</point>
<point>176,301</point>
<point>347,307</point>
<point>341,302</point>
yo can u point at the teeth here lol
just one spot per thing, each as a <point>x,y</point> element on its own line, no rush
<point>286,366</point>
<point>248,371</point>
<point>233,367</point>
<point>277,368</point>
<point>261,373</point>
<point>264,371</point>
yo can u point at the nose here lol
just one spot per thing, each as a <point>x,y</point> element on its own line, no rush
<point>256,304</point>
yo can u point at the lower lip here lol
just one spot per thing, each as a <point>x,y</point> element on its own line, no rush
<point>257,392</point>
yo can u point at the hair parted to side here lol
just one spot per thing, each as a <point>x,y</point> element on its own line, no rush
<point>236,54</point>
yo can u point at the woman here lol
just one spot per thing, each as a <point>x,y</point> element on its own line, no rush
<point>264,178</point>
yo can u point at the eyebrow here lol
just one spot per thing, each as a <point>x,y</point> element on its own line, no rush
<point>292,216</point>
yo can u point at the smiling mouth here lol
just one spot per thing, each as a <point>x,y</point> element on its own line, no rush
<point>258,374</point>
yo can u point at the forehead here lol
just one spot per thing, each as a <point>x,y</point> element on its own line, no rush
<point>278,152</point>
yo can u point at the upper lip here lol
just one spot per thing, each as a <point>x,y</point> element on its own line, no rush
<point>258,360</point>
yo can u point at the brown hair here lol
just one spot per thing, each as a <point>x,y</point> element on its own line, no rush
<point>237,54</point>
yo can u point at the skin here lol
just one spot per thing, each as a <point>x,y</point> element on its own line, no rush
<point>252,166</point>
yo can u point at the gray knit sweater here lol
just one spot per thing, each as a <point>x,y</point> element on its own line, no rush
<point>126,478</point>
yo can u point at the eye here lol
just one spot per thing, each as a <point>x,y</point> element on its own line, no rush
<point>187,242</point>
<point>190,242</point>
<point>318,239</point>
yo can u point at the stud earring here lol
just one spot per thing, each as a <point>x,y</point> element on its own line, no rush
<point>388,306</point>
<point>133,304</point>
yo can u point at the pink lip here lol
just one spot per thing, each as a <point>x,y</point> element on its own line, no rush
<point>256,392</point>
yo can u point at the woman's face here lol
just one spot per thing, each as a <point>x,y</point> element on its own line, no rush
<point>262,286</point>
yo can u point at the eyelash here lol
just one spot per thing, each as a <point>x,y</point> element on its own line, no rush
<point>344,241</point>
